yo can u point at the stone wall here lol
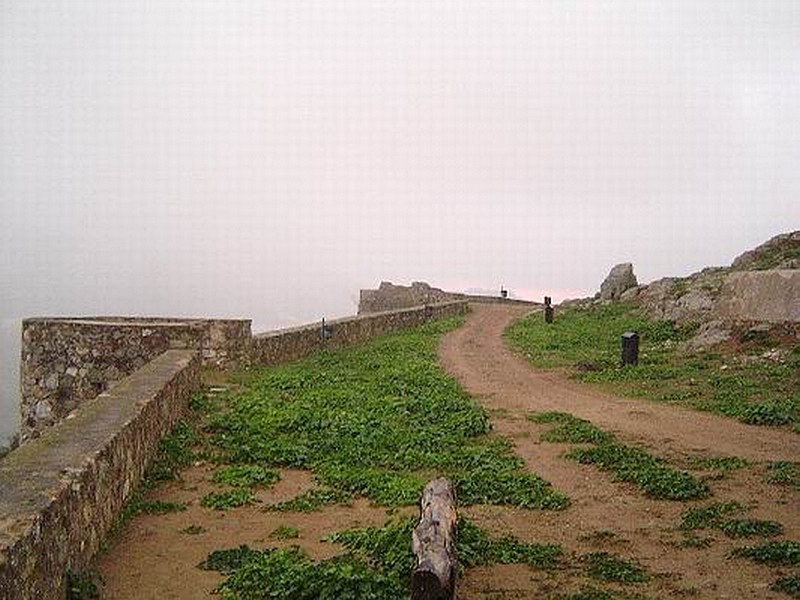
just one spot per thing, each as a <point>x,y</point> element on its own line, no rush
<point>394,297</point>
<point>290,344</point>
<point>67,361</point>
<point>772,296</point>
<point>61,493</point>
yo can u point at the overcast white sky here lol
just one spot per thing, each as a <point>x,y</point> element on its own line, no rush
<point>266,159</point>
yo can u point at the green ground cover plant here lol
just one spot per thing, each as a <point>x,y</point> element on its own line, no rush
<point>246,476</point>
<point>605,566</point>
<point>650,474</point>
<point>228,499</point>
<point>377,420</point>
<point>311,501</point>
<point>717,516</point>
<point>788,585</point>
<point>376,564</point>
<point>784,473</point>
<point>778,553</point>
<point>758,392</point>
<point>285,532</point>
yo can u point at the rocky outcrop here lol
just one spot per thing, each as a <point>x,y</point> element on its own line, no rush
<point>619,280</point>
<point>770,296</point>
<point>780,252</point>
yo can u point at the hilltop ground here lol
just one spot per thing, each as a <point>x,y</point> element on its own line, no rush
<point>629,531</point>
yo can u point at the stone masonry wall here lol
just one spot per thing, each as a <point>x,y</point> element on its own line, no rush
<point>290,344</point>
<point>67,361</point>
<point>61,493</point>
<point>394,297</point>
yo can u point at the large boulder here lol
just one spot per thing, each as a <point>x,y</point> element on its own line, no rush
<point>780,252</point>
<point>772,296</point>
<point>620,279</point>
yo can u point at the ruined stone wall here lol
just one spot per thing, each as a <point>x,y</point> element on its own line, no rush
<point>67,361</point>
<point>290,344</point>
<point>61,493</point>
<point>394,297</point>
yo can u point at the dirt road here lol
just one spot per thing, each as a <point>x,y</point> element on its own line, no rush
<point>476,355</point>
<point>606,515</point>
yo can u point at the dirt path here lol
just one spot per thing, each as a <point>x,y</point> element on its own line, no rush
<point>476,355</point>
<point>606,515</point>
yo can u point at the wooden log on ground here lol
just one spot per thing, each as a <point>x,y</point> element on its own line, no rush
<point>434,543</point>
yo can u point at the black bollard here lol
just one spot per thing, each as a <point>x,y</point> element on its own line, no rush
<point>548,314</point>
<point>630,348</point>
<point>548,300</point>
<point>503,292</point>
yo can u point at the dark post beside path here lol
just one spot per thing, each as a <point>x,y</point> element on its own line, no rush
<point>434,543</point>
<point>630,348</point>
<point>548,309</point>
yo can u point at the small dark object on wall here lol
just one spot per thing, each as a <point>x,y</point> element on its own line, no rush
<point>503,292</point>
<point>630,348</point>
<point>326,331</point>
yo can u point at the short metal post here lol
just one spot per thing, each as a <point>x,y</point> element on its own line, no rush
<point>630,348</point>
<point>326,331</point>
<point>503,292</point>
<point>548,314</point>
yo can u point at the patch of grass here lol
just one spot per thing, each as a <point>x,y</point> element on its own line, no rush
<point>570,429</point>
<point>788,585</point>
<point>285,532</point>
<point>650,474</point>
<point>757,392</point>
<point>377,564</point>
<point>715,516</point>
<point>708,517</point>
<point>194,530</point>
<point>694,541</point>
<point>246,476</point>
<point>377,420</point>
<point>82,586</point>
<point>228,561</point>
<point>779,553</point>
<point>784,473</point>
<point>719,463</point>
<point>609,567</point>
<point>739,528</point>
<point>228,499</point>
<point>311,501</point>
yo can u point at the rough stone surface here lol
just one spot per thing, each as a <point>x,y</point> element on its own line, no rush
<point>771,296</point>
<point>394,297</point>
<point>691,299</point>
<point>709,334</point>
<point>60,493</point>
<point>780,252</point>
<point>619,279</point>
<point>290,344</point>
<point>65,362</point>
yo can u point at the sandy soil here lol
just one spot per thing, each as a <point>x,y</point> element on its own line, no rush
<point>632,525</point>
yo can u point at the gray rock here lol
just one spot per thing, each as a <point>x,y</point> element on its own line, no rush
<point>51,383</point>
<point>619,279</point>
<point>710,334</point>
<point>42,411</point>
<point>772,296</point>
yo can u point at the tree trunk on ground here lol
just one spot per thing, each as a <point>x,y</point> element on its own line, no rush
<point>433,543</point>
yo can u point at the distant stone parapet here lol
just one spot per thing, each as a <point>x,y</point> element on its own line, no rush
<point>389,296</point>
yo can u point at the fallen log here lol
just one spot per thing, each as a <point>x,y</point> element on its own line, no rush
<point>434,543</point>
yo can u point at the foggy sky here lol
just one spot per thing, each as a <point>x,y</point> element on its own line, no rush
<point>266,159</point>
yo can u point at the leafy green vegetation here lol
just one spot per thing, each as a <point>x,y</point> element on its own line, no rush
<point>285,532</point>
<point>759,392</point>
<point>784,473</point>
<point>175,454</point>
<point>246,476</point>
<point>377,420</point>
<point>788,585</point>
<point>609,567</point>
<point>377,564</point>
<point>783,552</point>
<point>587,593</point>
<point>708,517</point>
<point>228,499</point>
<point>650,474</point>
<point>715,516</point>
<point>719,463</point>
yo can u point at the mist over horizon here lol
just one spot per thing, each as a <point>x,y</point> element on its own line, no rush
<point>268,160</point>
